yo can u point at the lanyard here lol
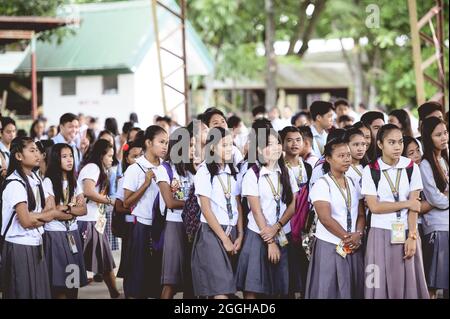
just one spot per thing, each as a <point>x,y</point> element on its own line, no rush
<point>347,200</point>
<point>300,168</point>
<point>276,194</point>
<point>394,189</point>
<point>227,193</point>
<point>66,199</point>
<point>357,170</point>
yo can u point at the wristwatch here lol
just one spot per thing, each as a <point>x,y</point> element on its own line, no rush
<point>412,235</point>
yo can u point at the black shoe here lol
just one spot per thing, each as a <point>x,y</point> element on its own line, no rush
<point>98,278</point>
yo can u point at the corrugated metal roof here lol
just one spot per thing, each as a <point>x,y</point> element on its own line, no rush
<point>314,71</point>
<point>111,37</point>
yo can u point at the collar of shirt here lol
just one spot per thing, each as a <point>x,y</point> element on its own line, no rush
<point>402,163</point>
<point>60,139</point>
<point>265,171</point>
<point>145,163</point>
<point>316,133</point>
<point>3,148</point>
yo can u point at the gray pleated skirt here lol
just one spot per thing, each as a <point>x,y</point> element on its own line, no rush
<point>97,252</point>
<point>58,256</point>
<point>436,262</point>
<point>174,255</point>
<point>255,273</point>
<point>212,267</point>
<point>330,276</point>
<point>24,272</point>
<point>142,277</point>
<point>387,274</point>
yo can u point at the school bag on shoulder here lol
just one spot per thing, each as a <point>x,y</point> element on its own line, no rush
<point>375,172</point>
<point>191,215</point>
<point>158,217</point>
<point>302,208</point>
<point>118,223</point>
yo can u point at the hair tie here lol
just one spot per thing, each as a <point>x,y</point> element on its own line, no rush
<point>125,147</point>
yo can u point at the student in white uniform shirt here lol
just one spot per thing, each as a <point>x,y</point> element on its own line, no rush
<point>357,145</point>
<point>131,152</point>
<point>173,193</point>
<point>24,269</point>
<point>307,152</point>
<point>322,116</point>
<point>142,279</point>
<point>301,170</point>
<point>62,241</point>
<point>435,175</point>
<point>393,248</point>
<point>337,264</point>
<point>8,133</point>
<point>215,118</point>
<point>219,237</point>
<point>94,180</point>
<point>263,268</point>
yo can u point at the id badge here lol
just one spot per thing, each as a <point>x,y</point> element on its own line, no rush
<point>398,233</point>
<point>341,250</point>
<point>228,230</point>
<point>282,239</point>
<point>101,223</point>
<point>72,243</point>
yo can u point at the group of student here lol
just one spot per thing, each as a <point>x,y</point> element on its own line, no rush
<point>369,188</point>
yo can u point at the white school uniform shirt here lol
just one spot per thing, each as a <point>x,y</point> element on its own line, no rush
<point>6,152</point>
<point>326,190</point>
<point>353,174</point>
<point>318,138</point>
<point>251,186</point>
<point>299,177</point>
<point>384,192</point>
<point>120,192</point>
<point>214,191</point>
<point>90,171</point>
<point>134,178</point>
<point>14,194</point>
<point>56,225</point>
<point>312,159</point>
<point>317,173</point>
<point>237,156</point>
<point>173,215</point>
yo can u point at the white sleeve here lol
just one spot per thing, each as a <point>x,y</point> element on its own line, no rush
<point>47,185</point>
<point>368,185</point>
<point>320,191</point>
<point>130,179</point>
<point>416,179</point>
<point>250,184</point>
<point>202,182</point>
<point>90,171</point>
<point>15,193</point>
<point>161,175</point>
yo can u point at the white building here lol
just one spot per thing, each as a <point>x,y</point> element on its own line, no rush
<point>109,66</point>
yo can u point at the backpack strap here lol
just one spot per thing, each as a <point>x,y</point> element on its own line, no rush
<point>376,173</point>
<point>308,169</point>
<point>1,207</point>
<point>169,170</point>
<point>256,170</point>
<point>410,170</point>
<point>142,169</point>
<point>41,190</point>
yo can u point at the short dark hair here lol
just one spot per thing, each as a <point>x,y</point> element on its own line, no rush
<point>297,115</point>
<point>371,116</point>
<point>427,108</point>
<point>166,119</point>
<point>258,110</point>
<point>127,126</point>
<point>67,117</point>
<point>234,121</point>
<point>320,108</point>
<point>206,118</point>
<point>288,129</point>
<point>6,121</point>
<point>341,102</point>
<point>306,133</point>
<point>344,118</point>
